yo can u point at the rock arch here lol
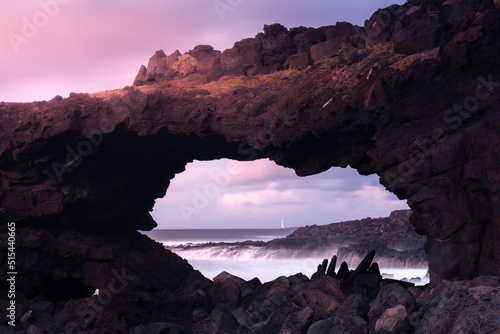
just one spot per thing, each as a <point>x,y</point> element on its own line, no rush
<point>427,124</point>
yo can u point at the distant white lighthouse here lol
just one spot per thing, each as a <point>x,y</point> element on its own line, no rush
<point>282,224</point>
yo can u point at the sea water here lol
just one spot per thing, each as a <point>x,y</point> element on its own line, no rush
<point>250,262</point>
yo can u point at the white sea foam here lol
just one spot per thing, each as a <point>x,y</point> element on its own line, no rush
<point>249,262</point>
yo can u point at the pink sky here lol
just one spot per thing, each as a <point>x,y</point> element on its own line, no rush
<point>91,45</point>
<point>54,47</point>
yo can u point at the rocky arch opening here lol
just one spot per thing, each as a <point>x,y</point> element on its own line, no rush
<point>225,193</point>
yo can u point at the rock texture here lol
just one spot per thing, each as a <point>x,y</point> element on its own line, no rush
<point>138,282</point>
<point>426,123</point>
<point>393,238</point>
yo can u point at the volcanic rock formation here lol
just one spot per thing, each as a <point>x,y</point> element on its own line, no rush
<point>412,97</point>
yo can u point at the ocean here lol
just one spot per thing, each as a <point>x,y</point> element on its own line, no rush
<point>248,261</point>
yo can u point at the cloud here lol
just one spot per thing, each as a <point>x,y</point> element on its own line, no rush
<point>260,193</point>
<point>90,46</point>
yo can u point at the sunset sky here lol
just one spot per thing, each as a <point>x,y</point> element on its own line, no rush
<point>54,47</point>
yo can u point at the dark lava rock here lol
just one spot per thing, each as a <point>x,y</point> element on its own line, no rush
<point>320,327</point>
<point>462,307</point>
<point>389,296</point>
<point>300,61</point>
<point>326,49</point>
<point>159,328</point>
<point>220,321</point>
<point>229,289</point>
<point>394,320</point>
<point>58,272</point>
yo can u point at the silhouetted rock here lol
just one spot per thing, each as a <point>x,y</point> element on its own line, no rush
<point>343,271</point>
<point>331,267</point>
<point>361,269</point>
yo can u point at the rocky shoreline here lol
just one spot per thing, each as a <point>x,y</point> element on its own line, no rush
<point>394,239</point>
<point>144,288</point>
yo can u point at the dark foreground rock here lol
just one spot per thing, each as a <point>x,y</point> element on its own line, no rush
<point>146,289</point>
<point>138,280</point>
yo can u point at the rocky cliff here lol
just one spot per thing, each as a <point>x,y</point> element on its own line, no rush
<point>412,96</point>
